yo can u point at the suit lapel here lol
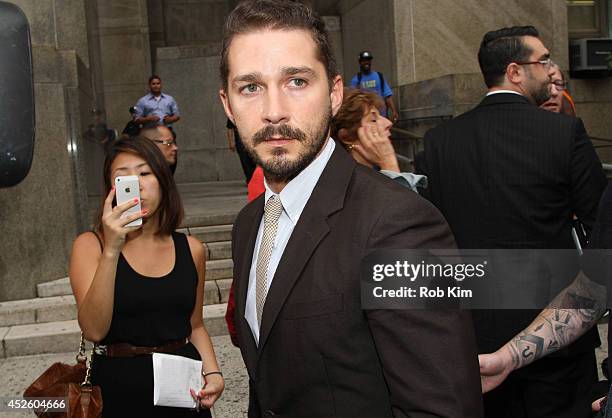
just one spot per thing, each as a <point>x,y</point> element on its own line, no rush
<point>327,198</point>
<point>252,219</point>
<point>304,240</point>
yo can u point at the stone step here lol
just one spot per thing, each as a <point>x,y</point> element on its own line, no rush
<point>31,311</point>
<point>59,287</point>
<point>209,219</point>
<point>63,336</point>
<point>215,270</point>
<point>208,234</point>
<point>216,291</point>
<point>193,220</point>
<point>224,286</point>
<point>219,269</point>
<point>219,250</point>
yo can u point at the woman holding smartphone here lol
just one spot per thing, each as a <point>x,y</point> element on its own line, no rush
<point>139,290</point>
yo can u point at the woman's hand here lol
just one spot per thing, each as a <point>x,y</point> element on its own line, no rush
<point>374,146</point>
<point>210,392</point>
<point>115,230</point>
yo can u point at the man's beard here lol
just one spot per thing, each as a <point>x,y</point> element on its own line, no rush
<point>542,94</point>
<point>279,168</point>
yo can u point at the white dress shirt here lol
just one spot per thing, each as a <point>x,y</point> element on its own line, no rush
<point>294,197</point>
<point>490,93</point>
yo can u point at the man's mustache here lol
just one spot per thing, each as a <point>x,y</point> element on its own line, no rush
<point>283,131</point>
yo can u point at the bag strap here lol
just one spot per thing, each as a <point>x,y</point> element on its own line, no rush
<point>382,81</point>
<point>87,380</point>
<point>82,356</point>
<point>359,79</point>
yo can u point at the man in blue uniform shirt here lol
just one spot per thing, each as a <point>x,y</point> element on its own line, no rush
<point>374,81</point>
<point>156,108</point>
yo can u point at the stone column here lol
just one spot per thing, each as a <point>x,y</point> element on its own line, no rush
<point>191,74</point>
<point>41,216</point>
<point>442,37</point>
<point>126,58</point>
<point>593,100</point>
<point>334,28</point>
<point>437,45</point>
<point>368,25</point>
<point>189,67</point>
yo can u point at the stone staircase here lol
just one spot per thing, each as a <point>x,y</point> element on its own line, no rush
<point>47,324</point>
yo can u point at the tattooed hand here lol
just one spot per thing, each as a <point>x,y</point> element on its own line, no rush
<point>555,327</point>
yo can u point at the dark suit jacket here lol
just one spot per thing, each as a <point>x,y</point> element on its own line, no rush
<point>601,262</point>
<point>510,175</point>
<point>320,354</point>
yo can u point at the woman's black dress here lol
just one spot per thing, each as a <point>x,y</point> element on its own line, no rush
<point>147,312</point>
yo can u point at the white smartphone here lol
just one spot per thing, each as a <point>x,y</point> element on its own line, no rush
<point>127,188</point>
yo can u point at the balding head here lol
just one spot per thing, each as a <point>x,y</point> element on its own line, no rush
<point>162,137</point>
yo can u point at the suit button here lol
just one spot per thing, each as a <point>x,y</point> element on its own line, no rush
<point>269,413</point>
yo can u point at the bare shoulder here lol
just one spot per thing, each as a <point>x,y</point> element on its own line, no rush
<point>87,242</point>
<point>84,260</point>
<point>197,248</point>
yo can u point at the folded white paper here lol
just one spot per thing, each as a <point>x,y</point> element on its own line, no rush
<point>173,376</point>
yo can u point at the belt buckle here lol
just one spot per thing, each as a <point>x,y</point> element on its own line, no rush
<point>135,350</point>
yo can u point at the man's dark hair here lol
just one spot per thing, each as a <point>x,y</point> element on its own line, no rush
<point>154,77</point>
<point>501,47</point>
<point>253,15</point>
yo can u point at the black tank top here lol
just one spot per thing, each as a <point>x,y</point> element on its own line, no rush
<point>153,311</point>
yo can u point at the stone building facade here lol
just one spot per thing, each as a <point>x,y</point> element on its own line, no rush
<point>98,54</point>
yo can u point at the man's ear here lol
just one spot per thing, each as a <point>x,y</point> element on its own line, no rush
<point>226,105</point>
<point>514,73</point>
<point>337,94</point>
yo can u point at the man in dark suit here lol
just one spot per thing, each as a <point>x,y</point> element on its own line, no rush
<point>510,175</point>
<point>575,310</point>
<point>309,347</point>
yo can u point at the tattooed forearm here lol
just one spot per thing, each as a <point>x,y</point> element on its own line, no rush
<point>558,325</point>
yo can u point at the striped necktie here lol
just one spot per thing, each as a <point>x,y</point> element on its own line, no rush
<point>272,212</point>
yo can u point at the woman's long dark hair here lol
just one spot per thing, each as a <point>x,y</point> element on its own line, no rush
<point>170,211</point>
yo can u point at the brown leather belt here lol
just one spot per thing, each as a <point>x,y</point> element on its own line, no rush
<point>129,350</point>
